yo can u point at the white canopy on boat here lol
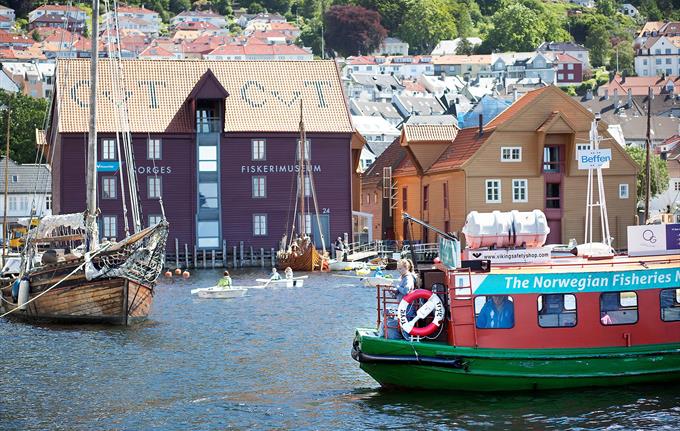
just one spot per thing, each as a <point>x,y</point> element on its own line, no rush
<point>49,223</point>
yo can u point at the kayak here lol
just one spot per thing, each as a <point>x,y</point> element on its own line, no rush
<point>217,292</point>
<point>294,282</point>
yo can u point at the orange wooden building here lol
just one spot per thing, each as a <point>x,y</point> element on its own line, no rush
<point>524,159</point>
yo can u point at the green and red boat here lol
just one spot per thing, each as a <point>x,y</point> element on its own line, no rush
<point>578,322</point>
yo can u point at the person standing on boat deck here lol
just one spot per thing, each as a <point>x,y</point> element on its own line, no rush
<point>289,273</point>
<point>497,312</point>
<point>225,281</point>
<point>275,275</point>
<point>407,284</point>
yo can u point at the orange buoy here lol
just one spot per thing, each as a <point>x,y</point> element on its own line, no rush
<point>178,271</point>
<point>186,274</point>
<point>168,274</point>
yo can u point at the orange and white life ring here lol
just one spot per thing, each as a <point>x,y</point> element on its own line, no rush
<point>432,304</point>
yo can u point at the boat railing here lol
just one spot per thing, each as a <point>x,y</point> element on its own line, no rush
<point>386,309</point>
<point>599,262</point>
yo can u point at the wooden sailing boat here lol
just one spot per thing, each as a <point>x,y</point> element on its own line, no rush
<point>300,254</point>
<point>78,279</point>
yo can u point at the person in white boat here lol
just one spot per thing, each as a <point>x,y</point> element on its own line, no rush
<point>225,281</point>
<point>289,273</point>
<point>275,275</point>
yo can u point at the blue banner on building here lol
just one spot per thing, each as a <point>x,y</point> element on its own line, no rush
<point>571,282</point>
<point>108,166</point>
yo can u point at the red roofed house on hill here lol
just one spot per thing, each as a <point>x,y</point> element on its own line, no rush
<point>72,18</point>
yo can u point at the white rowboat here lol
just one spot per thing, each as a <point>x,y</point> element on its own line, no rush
<point>217,292</point>
<point>294,282</point>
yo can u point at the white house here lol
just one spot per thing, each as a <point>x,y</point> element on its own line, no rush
<point>73,12</point>
<point>575,50</point>
<point>658,55</point>
<point>29,185</point>
<point>199,17</point>
<point>392,46</point>
<point>135,18</point>
<point>629,10</point>
<point>6,18</point>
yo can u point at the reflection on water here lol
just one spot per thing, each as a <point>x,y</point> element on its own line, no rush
<point>276,358</point>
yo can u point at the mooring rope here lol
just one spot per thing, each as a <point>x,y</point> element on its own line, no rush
<point>85,262</point>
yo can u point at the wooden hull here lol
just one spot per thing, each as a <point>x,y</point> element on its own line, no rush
<point>309,260</point>
<point>115,301</point>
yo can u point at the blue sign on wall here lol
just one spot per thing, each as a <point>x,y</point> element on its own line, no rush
<point>673,237</point>
<point>503,284</point>
<point>108,166</point>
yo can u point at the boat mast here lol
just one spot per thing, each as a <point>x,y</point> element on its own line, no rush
<point>91,221</point>
<point>301,178</point>
<point>4,216</point>
<point>648,144</point>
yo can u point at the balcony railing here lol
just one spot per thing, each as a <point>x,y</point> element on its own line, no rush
<point>208,125</point>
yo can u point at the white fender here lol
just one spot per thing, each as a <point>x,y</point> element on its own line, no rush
<point>24,288</point>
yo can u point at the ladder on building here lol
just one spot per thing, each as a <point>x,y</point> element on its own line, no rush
<point>389,187</point>
<point>462,306</point>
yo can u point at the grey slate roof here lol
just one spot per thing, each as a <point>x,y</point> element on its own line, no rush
<point>380,81</point>
<point>384,109</point>
<point>432,119</point>
<point>27,178</point>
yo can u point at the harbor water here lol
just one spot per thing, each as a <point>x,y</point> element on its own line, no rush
<point>275,359</point>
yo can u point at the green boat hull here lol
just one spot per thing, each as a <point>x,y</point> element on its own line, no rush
<point>422,365</point>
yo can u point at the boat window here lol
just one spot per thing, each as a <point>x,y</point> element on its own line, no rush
<point>670,305</point>
<point>556,310</point>
<point>494,312</point>
<point>618,308</point>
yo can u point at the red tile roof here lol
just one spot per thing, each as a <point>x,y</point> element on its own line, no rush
<point>566,58</point>
<point>466,144</point>
<point>639,85</point>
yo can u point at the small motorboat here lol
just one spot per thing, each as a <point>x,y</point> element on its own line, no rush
<point>284,282</point>
<point>216,292</point>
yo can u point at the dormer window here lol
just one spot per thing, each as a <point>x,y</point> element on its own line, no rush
<point>15,178</point>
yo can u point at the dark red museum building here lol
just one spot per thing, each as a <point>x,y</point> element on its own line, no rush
<point>217,139</point>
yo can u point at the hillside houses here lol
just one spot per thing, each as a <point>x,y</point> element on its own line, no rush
<point>657,49</point>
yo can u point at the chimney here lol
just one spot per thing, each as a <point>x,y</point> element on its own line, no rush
<point>514,95</point>
<point>589,94</point>
<point>616,98</point>
<point>630,98</point>
<point>481,125</point>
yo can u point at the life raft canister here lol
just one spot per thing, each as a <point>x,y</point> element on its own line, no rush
<point>433,304</point>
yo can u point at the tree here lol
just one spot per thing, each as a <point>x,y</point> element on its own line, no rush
<point>650,9</point>
<point>465,47</point>
<point>310,36</point>
<point>353,30</point>
<point>427,23</point>
<point>626,58</point>
<point>392,12</point>
<point>606,7</point>
<point>515,28</point>
<point>177,6</point>
<point>310,9</point>
<point>255,8</point>
<point>599,44</point>
<point>659,173</point>
<point>27,114</point>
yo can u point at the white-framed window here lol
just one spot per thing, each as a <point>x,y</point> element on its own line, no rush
<point>259,149</point>
<point>153,187</point>
<point>109,226</point>
<point>259,187</point>
<point>15,178</point>
<point>511,154</point>
<point>308,148</point>
<point>259,224</point>
<point>519,190</point>
<point>154,219</point>
<point>560,76</point>
<point>13,203</point>
<point>153,149</point>
<point>493,191</point>
<point>108,149</point>
<point>570,76</point>
<point>108,187</point>
<point>48,202</point>
<point>308,224</point>
<point>570,66</point>
<point>207,158</point>
<point>23,203</point>
<point>623,191</point>
<point>676,185</point>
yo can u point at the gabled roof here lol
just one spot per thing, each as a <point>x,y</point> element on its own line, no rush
<point>466,144</point>
<point>264,95</point>
<point>414,133</point>
<point>29,177</point>
<point>156,51</point>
